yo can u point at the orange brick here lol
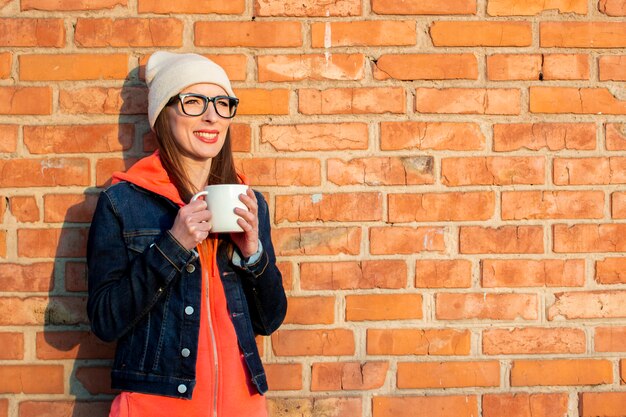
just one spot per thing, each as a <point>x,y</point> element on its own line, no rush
<point>6,63</point>
<point>316,136</point>
<point>32,32</point>
<point>486,306</point>
<point>3,244</point>
<point>468,33</point>
<point>74,208</point>
<point>493,170</point>
<point>310,310</point>
<point>518,205</point>
<point>25,100</point>
<point>383,307</point>
<point>431,135</point>
<point>328,342</point>
<point>317,241</point>
<point>353,275</point>
<point>241,137</point>
<point>69,242</point>
<point>43,310</point>
<point>297,8</point>
<point>284,376</point>
<point>16,379</point>
<point>281,171</point>
<point>533,273</point>
<point>561,372</point>
<point>24,208</point>
<point>426,7</point>
<point>602,404</point>
<point>438,207</point>
<point>36,277</point>
<point>406,240</point>
<point>72,345</point>
<point>575,100</point>
<point>352,101</point>
<point>448,374</point>
<point>105,168</point>
<point>612,67</point>
<point>101,100</point>
<point>536,136</point>
<point>134,32</point>
<point>467,101</point>
<point>504,239</point>
<point>12,348</point>
<point>590,238</point>
<point>78,138</point>
<point>95,379</point>
<point>348,376</point>
<point>9,134</point>
<point>612,7</point>
<point>582,34</point>
<point>311,67</point>
<point>191,6</point>
<point>70,67</point>
<point>339,407</point>
<point>256,101</point>
<point>64,408</point>
<point>3,208</point>
<point>76,276</point>
<point>341,207</point>
<point>610,339</point>
<point>55,5</point>
<point>4,405</point>
<point>266,34</point>
<point>615,136</point>
<point>521,404</point>
<point>425,406</point>
<point>611,271</point>
<point>565,67</point>
<point>585,171</point>
<point>533,340</point>
<point>44,172</point>
<point>235,65</point>
<point>381,171</point>
<point>440,342</point>
<point>588,304</point>
<point>364,33</point>
<point>433,273</point>
<point>503,67</point>
<point>534,7</point>
<point>426,67</point>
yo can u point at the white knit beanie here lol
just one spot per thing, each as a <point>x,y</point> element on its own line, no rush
<point>167,74</point>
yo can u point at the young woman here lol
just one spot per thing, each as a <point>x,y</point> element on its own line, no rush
<point>183,304</point>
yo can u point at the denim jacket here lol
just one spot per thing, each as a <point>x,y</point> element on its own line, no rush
<point>142,283</point>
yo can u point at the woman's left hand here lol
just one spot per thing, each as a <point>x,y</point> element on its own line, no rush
<point>248,241</point>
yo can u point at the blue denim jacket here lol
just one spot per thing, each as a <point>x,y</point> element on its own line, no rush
<point>142,283</point>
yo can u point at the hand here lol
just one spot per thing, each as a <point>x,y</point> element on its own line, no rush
<point>248,241</point>
<point>192,224</point>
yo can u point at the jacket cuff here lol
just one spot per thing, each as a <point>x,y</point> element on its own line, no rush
<point>174,252</point>
<point>245,263</point>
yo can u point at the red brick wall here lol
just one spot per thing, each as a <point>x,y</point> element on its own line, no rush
<point>446,180</point>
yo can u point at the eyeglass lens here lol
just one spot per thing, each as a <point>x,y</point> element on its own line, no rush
<point>196,104</point>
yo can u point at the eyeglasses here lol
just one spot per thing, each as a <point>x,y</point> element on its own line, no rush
<point>196,104</point>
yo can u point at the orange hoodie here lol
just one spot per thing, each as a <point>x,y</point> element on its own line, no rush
<point>223,384</point>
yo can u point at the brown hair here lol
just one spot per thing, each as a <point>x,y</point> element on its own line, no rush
<point>222,165</point>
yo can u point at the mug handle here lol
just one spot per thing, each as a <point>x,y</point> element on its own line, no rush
<point>198,195</point>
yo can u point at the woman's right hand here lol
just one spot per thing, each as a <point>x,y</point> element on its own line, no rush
<point>192,224</point>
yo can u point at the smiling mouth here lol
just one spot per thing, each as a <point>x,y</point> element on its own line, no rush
<point>206,136</point>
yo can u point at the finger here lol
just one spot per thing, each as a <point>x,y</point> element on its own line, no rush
<point>195,206</point>
<point>247,227</point>
<point>248,216</point>
<point>249,202</point>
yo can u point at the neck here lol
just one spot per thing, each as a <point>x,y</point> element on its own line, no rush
<point>197,172</point>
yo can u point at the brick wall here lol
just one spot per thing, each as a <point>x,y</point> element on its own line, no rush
<point>446,180</point>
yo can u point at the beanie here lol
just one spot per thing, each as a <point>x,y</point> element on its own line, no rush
<point>167,74</point>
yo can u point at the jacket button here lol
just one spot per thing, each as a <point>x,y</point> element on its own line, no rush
<point>185,353</point>
<point>190,268</point>
<point>189,310</point>
<point>182,388</point>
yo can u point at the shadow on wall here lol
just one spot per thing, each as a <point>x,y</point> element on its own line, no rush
<point>66,334</point>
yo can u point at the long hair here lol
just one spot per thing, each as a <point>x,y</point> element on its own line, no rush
<point>222,165</point>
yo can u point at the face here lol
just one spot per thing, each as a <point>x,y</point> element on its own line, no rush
<point>200,138</point>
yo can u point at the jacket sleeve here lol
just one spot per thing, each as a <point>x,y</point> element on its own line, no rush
<point>263,283</point>
<point>122,291</point>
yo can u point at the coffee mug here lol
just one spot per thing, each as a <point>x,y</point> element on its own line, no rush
<point>222,199</point>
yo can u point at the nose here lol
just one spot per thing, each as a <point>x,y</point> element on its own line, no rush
<point>210,114</point>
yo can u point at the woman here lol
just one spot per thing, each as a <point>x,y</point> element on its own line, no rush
<point>183,304</point>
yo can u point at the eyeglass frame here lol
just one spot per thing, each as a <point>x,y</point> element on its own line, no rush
<point>206,99</point>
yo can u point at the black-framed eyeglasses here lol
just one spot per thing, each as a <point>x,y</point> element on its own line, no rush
<point>194,104</point>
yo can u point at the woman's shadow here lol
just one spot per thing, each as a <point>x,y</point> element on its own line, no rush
<point>66,336</point>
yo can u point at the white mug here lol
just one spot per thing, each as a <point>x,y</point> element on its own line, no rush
<point>222,199</point>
